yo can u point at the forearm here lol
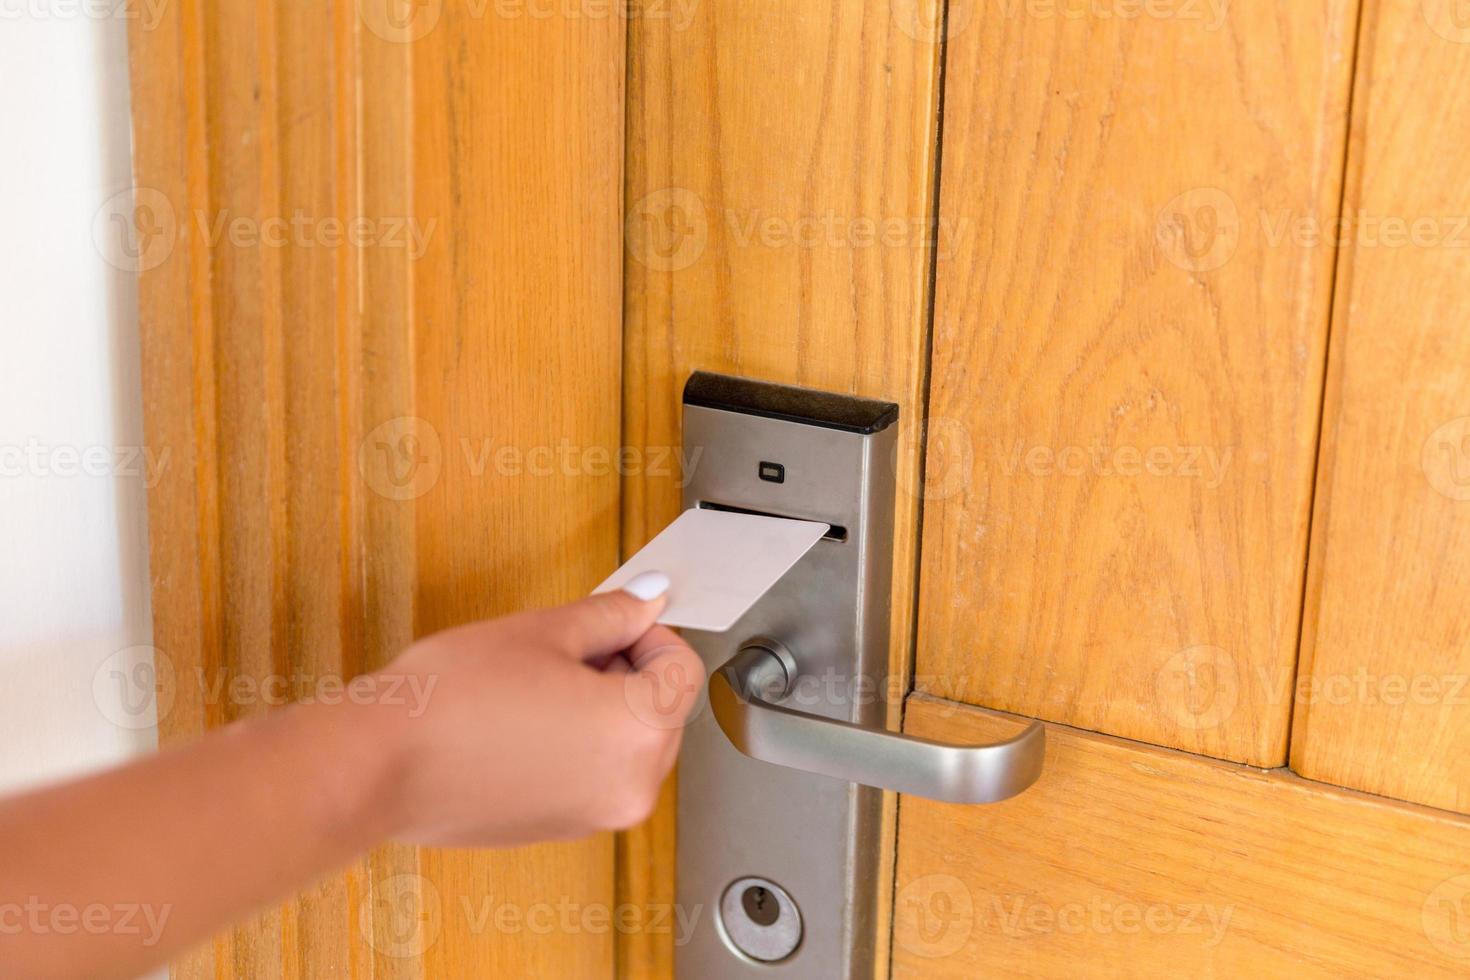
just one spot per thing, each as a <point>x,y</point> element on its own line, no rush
<point>525,740</point>
<point>114,874</point>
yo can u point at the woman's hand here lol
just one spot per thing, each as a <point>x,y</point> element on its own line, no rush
<point>538,726</point>
<point>550,724</point>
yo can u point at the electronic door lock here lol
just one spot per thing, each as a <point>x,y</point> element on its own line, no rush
<point>746,695</point>
<point>789,856</point>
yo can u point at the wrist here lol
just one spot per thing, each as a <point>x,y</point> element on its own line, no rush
<point>365,751</point>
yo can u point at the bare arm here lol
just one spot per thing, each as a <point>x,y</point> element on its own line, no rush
<point>530,728</point>
<point>165,852</point>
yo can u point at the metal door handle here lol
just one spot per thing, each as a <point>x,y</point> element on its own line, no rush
<point>744,692</point>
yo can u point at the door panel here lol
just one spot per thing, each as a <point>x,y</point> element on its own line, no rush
<point>1132,357</point>
<point>1382,704</point>
<point>1128,860</point>
<point>333,394</point>
<point>779,212</point>
<point>1162,204</point>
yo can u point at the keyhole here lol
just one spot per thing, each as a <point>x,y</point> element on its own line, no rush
<point>760,905</point>
<point>760,920</point>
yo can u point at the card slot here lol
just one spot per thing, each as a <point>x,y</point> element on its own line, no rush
<point>835,532</point>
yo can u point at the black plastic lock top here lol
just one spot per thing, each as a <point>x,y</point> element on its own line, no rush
<point>789,403</point>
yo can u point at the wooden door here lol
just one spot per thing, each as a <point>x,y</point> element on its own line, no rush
<point>1241,605</point>
<point>1171,295</point>
<point>381,286</point>
<point>1183,330</point>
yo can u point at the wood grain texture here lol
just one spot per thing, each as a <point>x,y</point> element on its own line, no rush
<point>779,208</point>
<point>1127,860</point>
<point>1128,359</point>
<point>518,155</point>
<point>376,289</point>
<point>170,160</point>
<point>387,244</point>
<point>1383,703</point>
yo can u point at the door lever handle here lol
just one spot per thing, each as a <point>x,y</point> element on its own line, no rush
<point>744,695</point>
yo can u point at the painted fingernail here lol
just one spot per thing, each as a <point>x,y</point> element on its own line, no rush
<point>647,585</point>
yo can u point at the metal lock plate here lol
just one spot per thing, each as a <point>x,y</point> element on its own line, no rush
<point>788,452</point>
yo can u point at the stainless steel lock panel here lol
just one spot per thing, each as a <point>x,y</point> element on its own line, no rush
<point>740,818</point>
<point>792,683</point>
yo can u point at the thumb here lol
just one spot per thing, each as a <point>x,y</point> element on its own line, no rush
<point>610,622</point>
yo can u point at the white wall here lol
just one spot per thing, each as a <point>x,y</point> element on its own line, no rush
<point>73,540</point>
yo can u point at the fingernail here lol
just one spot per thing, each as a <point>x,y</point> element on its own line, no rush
<point>647,585</point>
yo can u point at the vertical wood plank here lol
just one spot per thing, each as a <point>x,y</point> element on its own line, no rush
<point>376,304</point>
<point>778,226</point>
<point>314,170</point>
<point>1382,701</point>
<point>174,300</point>
<point>518,158</point>
<point>1128,353</point>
